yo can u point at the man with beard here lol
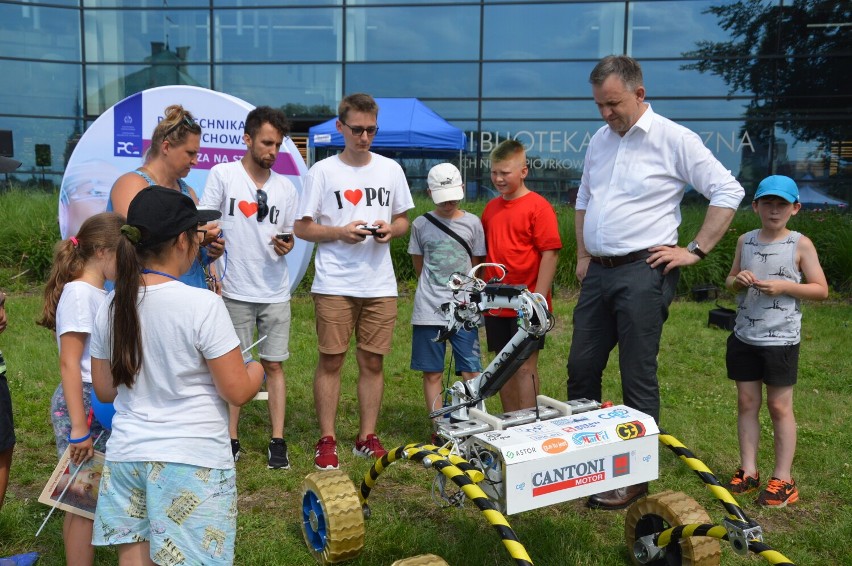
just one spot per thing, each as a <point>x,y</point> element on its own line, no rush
<point>258,208</point>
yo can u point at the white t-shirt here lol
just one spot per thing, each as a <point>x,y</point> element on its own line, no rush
<point>253,271</point>
<point>173,412</point>
<point>76,312</point>
<point>335,194</point>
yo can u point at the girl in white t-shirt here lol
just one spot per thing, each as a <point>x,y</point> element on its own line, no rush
<point>168,357</point>
<point>72,297</point>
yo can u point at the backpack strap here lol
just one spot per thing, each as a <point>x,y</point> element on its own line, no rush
<point>449,231</point>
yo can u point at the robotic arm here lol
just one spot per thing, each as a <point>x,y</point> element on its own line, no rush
<point>471,298</point>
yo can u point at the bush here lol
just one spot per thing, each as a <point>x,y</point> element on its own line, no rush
<point>29,229</point>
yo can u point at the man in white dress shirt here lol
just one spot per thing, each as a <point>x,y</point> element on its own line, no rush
<point>636,170</point>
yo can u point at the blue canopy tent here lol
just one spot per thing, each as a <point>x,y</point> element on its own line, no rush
<point>404,124</point>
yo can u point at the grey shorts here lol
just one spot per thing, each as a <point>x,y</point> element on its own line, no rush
<point>270,319</point>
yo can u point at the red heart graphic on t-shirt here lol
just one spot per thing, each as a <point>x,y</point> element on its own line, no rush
<point>353,195</point>
<point>248,208</point>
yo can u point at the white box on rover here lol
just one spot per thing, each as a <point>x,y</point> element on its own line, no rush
<point>565,458</point>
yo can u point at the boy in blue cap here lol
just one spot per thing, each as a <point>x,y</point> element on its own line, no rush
<point>769,266</point>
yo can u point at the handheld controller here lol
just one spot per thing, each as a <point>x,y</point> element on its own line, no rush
<point>372,229</point>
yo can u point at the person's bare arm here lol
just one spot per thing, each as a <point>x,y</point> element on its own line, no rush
<point>546,271</point>
<point>716,223</point>
<point>72,345</point>
<point>583,256</point>
<point>398,227</point>
<point>102,380</point>
<point>417,260</point>
<point>124,189</point>
<point>236,381</point>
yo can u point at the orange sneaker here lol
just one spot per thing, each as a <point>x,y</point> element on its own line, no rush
<point>778,493</point>
<point>742,483</point>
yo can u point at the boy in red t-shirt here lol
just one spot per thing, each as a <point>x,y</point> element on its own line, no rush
<point>521,233</point>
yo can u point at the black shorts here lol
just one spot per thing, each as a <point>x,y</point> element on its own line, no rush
<point>499,330</point>
<point>774,365</point>
<point>7,426</point>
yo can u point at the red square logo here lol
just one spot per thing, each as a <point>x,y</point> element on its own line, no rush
<point>620,465</point>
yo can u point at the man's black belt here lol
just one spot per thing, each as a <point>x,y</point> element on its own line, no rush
<point>616,261</point>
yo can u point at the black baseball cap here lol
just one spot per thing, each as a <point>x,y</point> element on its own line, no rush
<point>162,213</point>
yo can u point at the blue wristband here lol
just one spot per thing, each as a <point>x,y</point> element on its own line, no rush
<point>81,439</point>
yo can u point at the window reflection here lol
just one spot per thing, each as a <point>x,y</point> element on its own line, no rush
<point>39,32</point>
<point>107,84</point>
<point>267,35</point>
<point>554,31</point>
<point>51,89</point>
<point>412,33</point>
<point>683,24</point>
<point>149,36</point>
<point>445,80</point>
<point>313,88</point>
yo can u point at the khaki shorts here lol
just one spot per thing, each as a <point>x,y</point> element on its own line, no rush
<point>372,319</point>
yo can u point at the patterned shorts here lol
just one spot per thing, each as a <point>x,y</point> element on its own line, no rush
<point>62,421</point>
<point>187,513</point>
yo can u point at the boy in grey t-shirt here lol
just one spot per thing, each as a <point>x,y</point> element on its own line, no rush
<point>436,256</point>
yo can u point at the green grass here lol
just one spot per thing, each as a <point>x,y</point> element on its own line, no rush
<point>699,408</point>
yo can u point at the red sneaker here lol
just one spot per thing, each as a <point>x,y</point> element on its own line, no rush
<point>326,454</point>
<point>369,448</point>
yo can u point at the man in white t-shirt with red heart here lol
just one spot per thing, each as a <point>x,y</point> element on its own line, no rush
<point>351,206</point>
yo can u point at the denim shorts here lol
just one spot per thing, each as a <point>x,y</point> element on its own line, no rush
<point>428,355</point>
<point>187,513</point>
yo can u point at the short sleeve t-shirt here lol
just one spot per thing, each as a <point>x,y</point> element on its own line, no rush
<point>76,312</point>
<point>253,271</point>
<point>516,232</point>
<point>335,194</point>
<point>442,256</point>
<point>173,412</point>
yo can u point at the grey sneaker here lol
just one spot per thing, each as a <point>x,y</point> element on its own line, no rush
<point>278,459</point>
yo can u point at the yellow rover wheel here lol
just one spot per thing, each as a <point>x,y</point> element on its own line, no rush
<point>332,519</point>
<point>658,512</point>
<point>422,560</point>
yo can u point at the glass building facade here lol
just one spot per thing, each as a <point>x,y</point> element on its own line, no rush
<point>764,82</point>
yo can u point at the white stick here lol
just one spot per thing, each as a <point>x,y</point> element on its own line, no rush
<point>255,344</point>
<point>70,481</point>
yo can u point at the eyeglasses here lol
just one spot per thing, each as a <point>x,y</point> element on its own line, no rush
<point>187,121</point>
<point>262,207</point>
<point>357,131</point>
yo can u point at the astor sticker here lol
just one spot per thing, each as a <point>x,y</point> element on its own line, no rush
<point>627,431</point>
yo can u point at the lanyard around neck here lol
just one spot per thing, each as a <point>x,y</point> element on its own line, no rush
<point>154,272</point>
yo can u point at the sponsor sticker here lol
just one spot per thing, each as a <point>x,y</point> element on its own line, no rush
<point>627,431</point>
<point>554,445</point>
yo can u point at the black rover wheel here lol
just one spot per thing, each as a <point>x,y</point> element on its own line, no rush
<point>658,512</point>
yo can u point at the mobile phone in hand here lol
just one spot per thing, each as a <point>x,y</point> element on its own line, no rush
<point>284,236</point>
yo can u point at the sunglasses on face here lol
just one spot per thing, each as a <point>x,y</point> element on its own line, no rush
<point>187,121</point>
<point>262,206</point>
<point>359,130</point>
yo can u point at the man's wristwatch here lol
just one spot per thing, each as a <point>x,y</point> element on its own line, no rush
<point>693,248</point>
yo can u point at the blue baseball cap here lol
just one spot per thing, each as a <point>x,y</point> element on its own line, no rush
<point>779,186</point>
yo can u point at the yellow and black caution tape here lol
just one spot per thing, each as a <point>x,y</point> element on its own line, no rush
<point>465,476</point>
<point>735,512</point>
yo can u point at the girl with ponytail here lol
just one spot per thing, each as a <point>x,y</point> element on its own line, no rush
<point>72,297</point>
<point>167,356</point>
